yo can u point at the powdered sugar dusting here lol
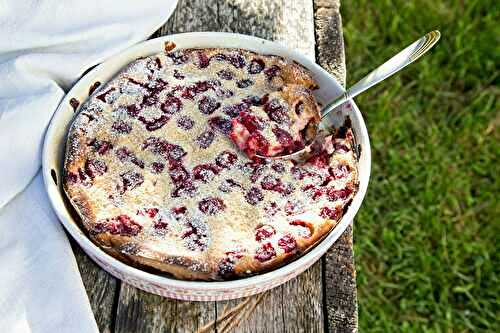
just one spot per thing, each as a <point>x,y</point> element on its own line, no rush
<point>171,167</point>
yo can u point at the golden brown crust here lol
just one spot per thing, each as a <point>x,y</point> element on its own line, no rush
<point>152,193</point>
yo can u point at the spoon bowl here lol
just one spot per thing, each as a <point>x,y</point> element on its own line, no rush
<point>387,69</point>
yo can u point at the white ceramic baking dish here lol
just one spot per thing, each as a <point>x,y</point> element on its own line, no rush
<point>53,155</point>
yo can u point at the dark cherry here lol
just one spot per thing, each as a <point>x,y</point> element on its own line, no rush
<point>178,57</point>
<point>225,74</point>
<point>312,191</point>
<point>320,160</point>
<point>154,124</point>
<point>94,168</point>
<point>171,105</point>
<point>298,172</point>
<point>203,60</point>
<point>235,109</point>
<point>236,60</point>
<point>121,127</point>
<point>226,159</point>
<point>202,86</point>
<point>226,268</point>
<point>133,110</point>
<point>160,226</point>
<point>223,93</point>
<point>255,169</point>
<point>276,111</point>
<point>278,167</point>
<point>250,121</point>
<point>157,167</point>
<point>287,243</point>
<point>179,212</point>
<point>120,225</point>
<point>195,236</point>
<point>185,123</point>
<point>178,75</point>
<point>72,177</point>
<point>162,147</point>
<point>271,183</point>
<point>284,138</point>
<point>257,143</point>
<point>189,92</point>
<point>271,72</point>
<point>205,139</point>
<point>254,196</point>
<point>158,63</point>
<point>207,105</point>
<point>334,194</point>
<point>244,83</point>
<point>150,100</point>
<point>175,152</point>
<point>256,66</point>
<point>186,188</point>
<point>125,155</point>
<point>100,146</point>
<point>265,252</point>
<point>131,180</point>
<point>151,212</point>
<point>178,174</point>
<point>205,172</point>
<point>221,124</point>
<point>74,103</point>
<point>329,213</point>
<point>263,232</point>
<point>211,206</point>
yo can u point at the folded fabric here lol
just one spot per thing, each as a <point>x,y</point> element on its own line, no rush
<point>45,46</point>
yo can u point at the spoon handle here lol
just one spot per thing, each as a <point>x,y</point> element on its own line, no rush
<point>390,67</point>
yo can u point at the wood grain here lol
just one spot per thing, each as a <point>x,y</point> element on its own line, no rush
<point>139,311</point>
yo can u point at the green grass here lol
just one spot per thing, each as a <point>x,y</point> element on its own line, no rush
<point>427,235</point>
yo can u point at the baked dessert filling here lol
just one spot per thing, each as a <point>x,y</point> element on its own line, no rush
<point>161,167</point>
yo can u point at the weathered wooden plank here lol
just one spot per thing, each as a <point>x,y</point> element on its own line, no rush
<point>339,270</point>
<point>340,286</point>
<point>297,305</point>
<point>139,311</point>
<point>101,289</point>
<point>329,39</point>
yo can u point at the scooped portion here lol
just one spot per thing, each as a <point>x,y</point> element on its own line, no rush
<point>282,122</point>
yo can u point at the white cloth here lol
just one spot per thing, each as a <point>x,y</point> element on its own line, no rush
<point>45,45</point>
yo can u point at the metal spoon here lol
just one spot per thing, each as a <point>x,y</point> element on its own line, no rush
<point>390,67</point>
